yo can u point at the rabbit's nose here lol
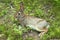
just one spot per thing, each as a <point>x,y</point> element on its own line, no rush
<point>15,16</point>
<point>16,19</point>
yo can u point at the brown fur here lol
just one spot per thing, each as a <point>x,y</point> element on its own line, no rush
<point>35,23</point>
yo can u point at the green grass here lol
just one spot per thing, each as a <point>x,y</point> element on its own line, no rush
<point>9,27</point>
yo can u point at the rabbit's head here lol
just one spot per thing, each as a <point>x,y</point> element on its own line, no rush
<point>20,13</point>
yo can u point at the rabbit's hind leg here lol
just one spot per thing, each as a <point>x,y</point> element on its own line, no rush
<point>43,31</point>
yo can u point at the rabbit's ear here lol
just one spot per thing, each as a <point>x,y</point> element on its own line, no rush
<point>21,7</point>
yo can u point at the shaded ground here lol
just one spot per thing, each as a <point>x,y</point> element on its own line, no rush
<point>3,37</point>
<point>31,35</point>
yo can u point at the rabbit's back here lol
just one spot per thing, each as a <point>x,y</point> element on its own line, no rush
<point>36,23</point>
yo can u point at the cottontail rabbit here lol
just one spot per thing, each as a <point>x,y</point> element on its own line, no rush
<point>35,23</point>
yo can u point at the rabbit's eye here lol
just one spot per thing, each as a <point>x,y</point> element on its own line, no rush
<point>18,13</point>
